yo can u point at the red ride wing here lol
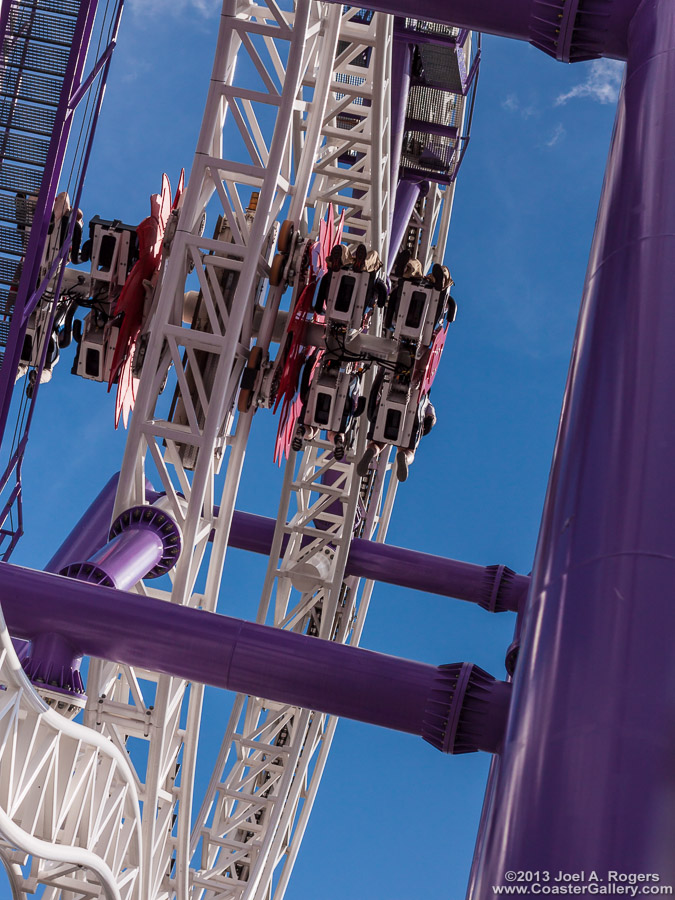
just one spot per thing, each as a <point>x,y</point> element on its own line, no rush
<point>131,300</point>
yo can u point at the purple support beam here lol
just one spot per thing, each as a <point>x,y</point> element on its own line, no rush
<point>585,782</point>
<point>458,708</point>
<point>90,533</point>
<point>568,30</point>
<point>495,588</point>
<point>407,195</point>
<point>144,543</point>
<point>401,63</point>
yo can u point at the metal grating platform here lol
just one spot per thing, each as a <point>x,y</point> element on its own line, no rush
<point>12,241</point>
<point>428,154</point>
<point>9,270</point>
<point>27,86</point>
<point>23,149</point>
<point>43,27</point>
<point>431,105</point>
<point>21,117</point>
<point>61,7</point>
<point>30,56</point>
<point>440,67</point>
<point>16,178</point>
<point>15,210</point>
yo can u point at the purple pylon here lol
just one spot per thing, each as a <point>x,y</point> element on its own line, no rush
<point>585,780</point>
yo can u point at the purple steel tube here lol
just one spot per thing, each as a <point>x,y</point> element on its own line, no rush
<point>128,557</point>
<point>586,778</point>
<point>603,30</point>
<point>144,543</point>
<point>495,588</point>
<point>407,195</point>
<point>90,533</point>
<point>401,62</point>
<point>458,708</point>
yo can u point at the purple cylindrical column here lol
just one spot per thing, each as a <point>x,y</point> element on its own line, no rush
<point>144,543</point>
<point>407,195</point>
<point>401,64</point>
<point>90,533</point>
<point>585,782</point>
<point>458,708</point>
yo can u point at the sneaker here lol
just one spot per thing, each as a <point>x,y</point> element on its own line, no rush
<point>339,450</point>
<point>363,464</point>
<point>440,277</point>
<point>296,443</point>
<point>335,258</point>
<point>402,465</point>
<point>401,262</point>
<point>360,257</point>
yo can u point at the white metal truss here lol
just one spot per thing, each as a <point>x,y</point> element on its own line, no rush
<point>312,119</point>
<point>251,823</point>
<point>188,446</point>
<point>352,171</point>
<point>69,812</point>
<point>252,820</point>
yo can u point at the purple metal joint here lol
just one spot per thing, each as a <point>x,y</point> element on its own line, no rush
<point>150,518</point>
<point>53,667</point>
<point>466,711</point>
<point>144,542</point>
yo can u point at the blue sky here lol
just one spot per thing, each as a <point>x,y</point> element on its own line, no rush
<point>394,818</point>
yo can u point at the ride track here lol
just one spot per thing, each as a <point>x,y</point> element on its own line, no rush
<point>273,841</point>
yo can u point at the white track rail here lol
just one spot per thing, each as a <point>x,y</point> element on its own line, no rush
<point>69,812</point>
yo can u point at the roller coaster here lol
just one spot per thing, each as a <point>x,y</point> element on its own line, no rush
<point>300,275</point>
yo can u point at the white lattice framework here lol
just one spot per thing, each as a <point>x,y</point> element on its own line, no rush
<point>292,54</point>
<point>311,112</point>
<point>251,823</point>
<point>69,811</point>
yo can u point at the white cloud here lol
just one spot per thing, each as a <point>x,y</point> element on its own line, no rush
<point>557,135</point>
<point>602,83</point>
<point>512,104</point>
<point>175,7</point>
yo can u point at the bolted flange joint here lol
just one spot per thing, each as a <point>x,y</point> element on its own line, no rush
<point>152,518</point>
<point>466,710</point>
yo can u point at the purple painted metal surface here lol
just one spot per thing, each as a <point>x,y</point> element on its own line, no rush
<point>495,588</point>
<point>122,562</point>
<point>401,62</point>
<point>224,652</point>
<point>52,662</point>
<point>90,533</point>
<point>587,772</point>
<point>407,195</point>
<point>602,32</point>
<point>144,543</point>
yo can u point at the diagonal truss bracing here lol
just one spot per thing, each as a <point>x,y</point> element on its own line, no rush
<point>279,117</point>
<point>253,817</point>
